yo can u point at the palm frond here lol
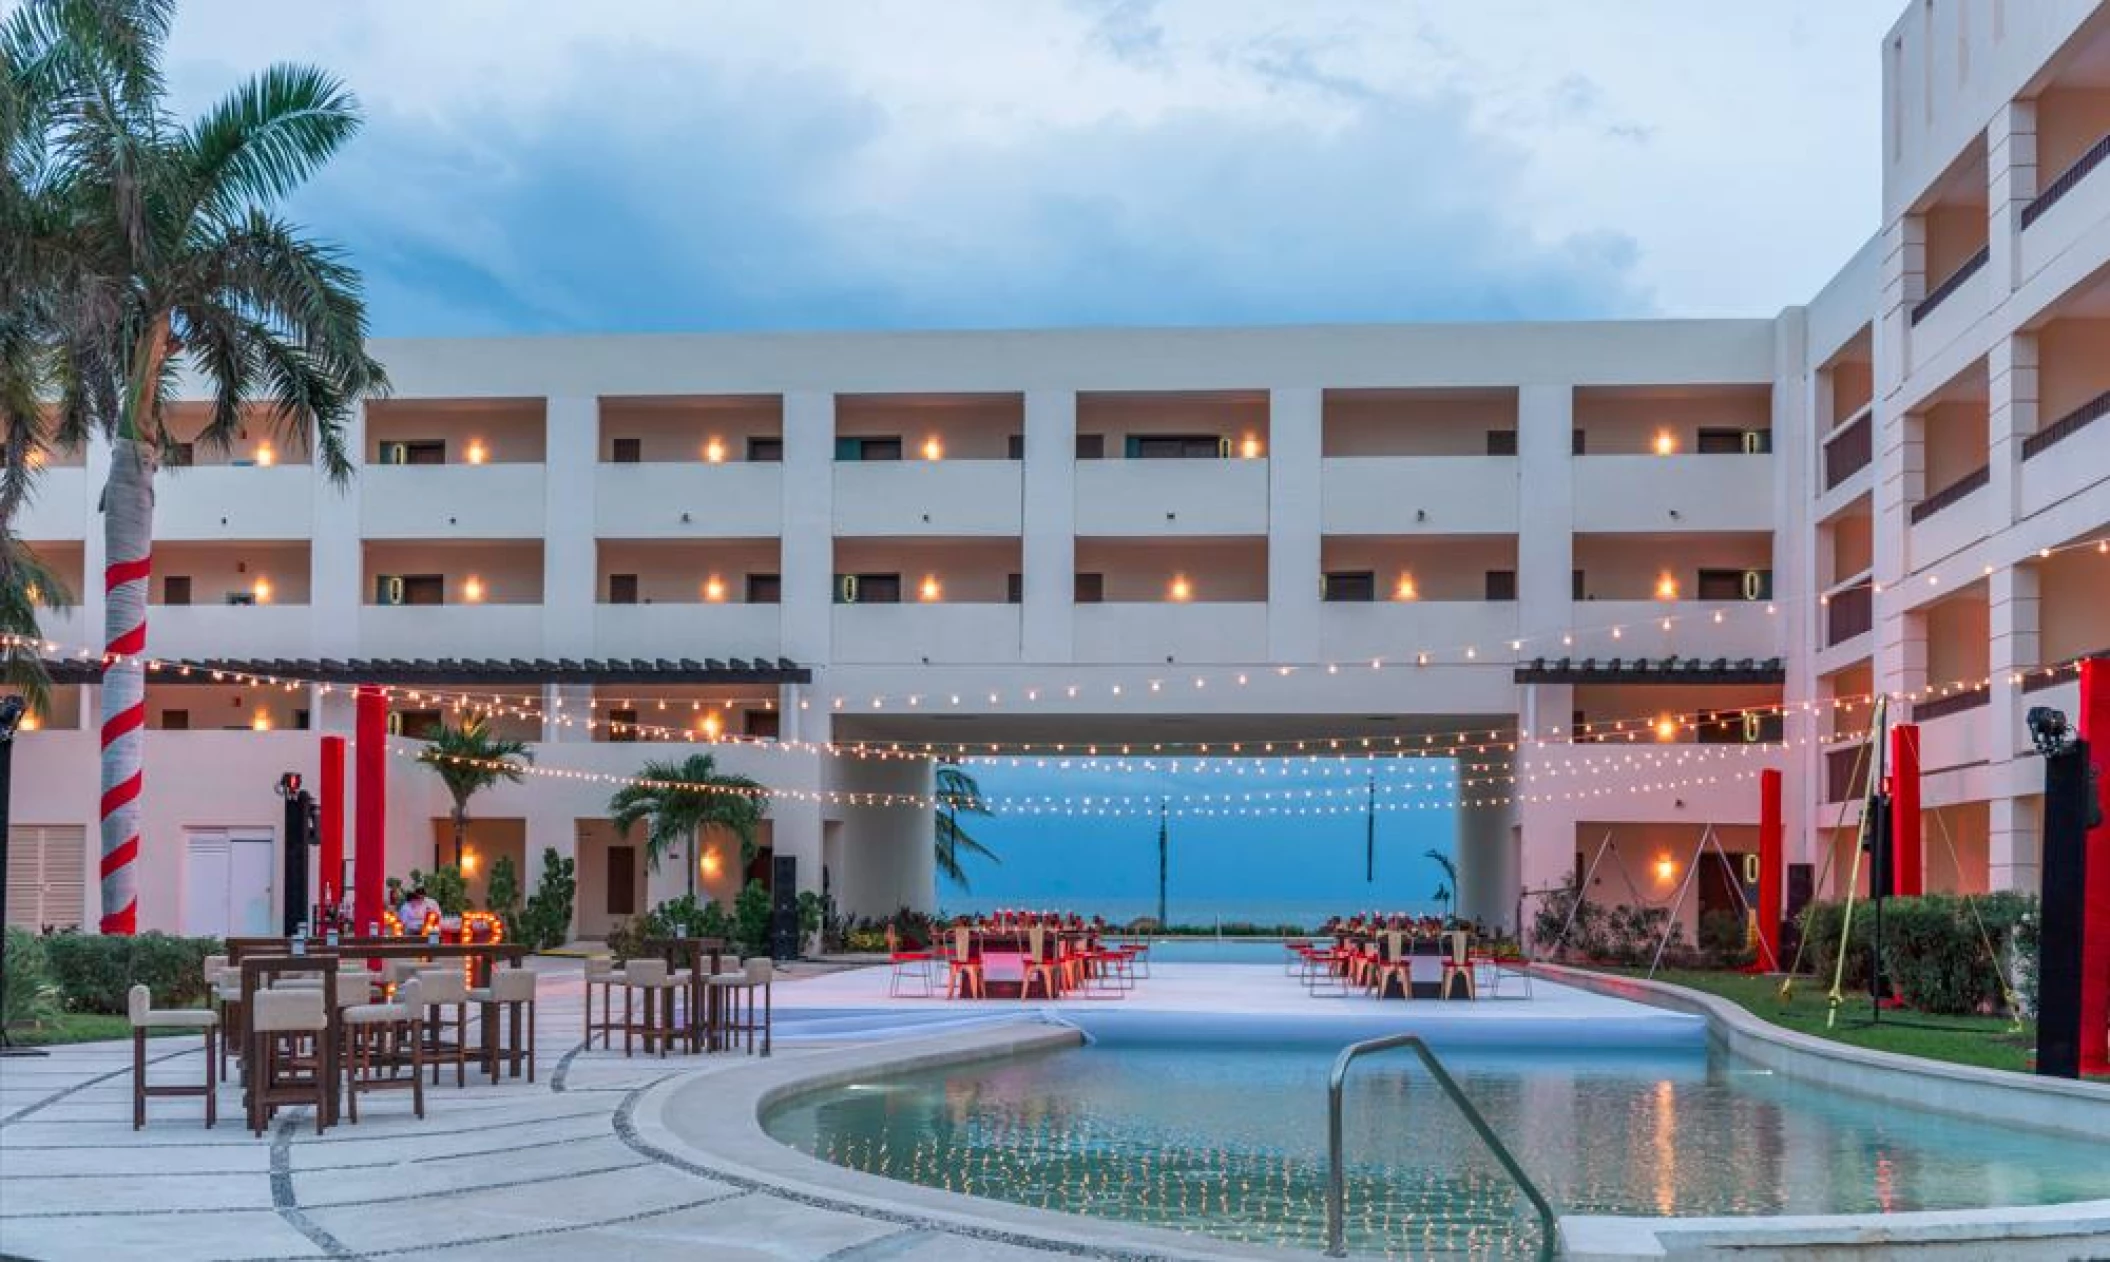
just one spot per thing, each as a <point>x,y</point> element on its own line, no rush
<point>264,140</point>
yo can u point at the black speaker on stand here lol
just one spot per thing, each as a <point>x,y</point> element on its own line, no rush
<point>298,834</point>
<point>784,907</point>
<point>2070,810</point>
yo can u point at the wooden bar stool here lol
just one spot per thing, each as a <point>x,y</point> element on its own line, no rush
<point>660,988</point>
<point>438,989</point>
<point>381,1040</point>
<point>601,973</point>
<point>755,974</point>
<point>513,990</point>
<point>139,1007</point>
<point>288,1056</point>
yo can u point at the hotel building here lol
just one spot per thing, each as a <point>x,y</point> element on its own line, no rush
<point>1619,567</point>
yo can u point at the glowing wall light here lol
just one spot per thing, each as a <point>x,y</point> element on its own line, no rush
<point>473,590</point>
<point>928,590</point>
<point>260,590</point>
<point>1180,589</point>
<point>1404,589</point>
<point>714,451</point>
<point>933,449</point>
<point>1666,442</point>
<point>265,456</point>
<point>477,453</point>
<point>714,589</point>
<point>1666,586</point>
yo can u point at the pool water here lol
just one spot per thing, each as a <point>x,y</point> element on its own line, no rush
<point>1217,951</point>
<point>1230,1142</point>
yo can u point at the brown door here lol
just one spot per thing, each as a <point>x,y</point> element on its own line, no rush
<point>622,880</point>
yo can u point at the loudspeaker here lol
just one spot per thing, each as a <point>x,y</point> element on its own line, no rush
<point>784,907</point>
<point>297,833</point>
<point>1802,886</point>
<point>2068,804</point>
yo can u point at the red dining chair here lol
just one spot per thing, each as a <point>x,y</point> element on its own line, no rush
<point>911,967</point>
<point>964,967</point>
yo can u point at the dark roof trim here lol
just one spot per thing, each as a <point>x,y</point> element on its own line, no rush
<point>1653,670</point>
<point>458,671</point>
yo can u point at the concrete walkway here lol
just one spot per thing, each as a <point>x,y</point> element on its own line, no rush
<point>521,1171</point>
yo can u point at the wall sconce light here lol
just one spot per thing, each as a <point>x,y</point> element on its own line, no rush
<point>714,451</point>
<point>1666,586</point>
<point>1666,728</point>
<point>1405,589</point>
<point>1250,448</point>
<point>710,863</point>
<point>1666,868</point>
<point>710,725</point>
<point>261,590</point>
<point>929,590</point>
<point>1666,442</point>
<point>1181,589</point>
<point>265,456</point>
<point>473,590</point>
<point>469,859</point>
<point>30,722</point>
<point>476,454</point>
<point>260,721</point>
<point>933,449</point>
<point>714,589</point>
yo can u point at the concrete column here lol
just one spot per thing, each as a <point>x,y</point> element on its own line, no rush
<point>1050,513</point>
<point>797,823</point>
<point>808,551</point>
<point>1904,284</point>
<point>336,564</point>
<point>2012,609</point>
<point>1546,533</point>
<point>566,701</point>
<point>569,560</point>
<point>2012,404</point>
<point>1489,857</point>
<point>2014,849</point>
<point>2011,184</point>
<point>1293,524</point>
<point>1547,712</point>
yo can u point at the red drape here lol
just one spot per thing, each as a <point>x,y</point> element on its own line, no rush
<point>2094,724</point>
<point>1907,849</point>
<point>330,807</point>
<point>1770,871</point>
<point>370,777</point>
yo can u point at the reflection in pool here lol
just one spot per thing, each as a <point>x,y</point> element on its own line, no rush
<point>1230,1142</point>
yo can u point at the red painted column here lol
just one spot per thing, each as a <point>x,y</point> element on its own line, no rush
<point>1771,873</point>
<point>329,806</point>
<point>1907,849</point>
<point>2094,724</point>
<point>370,780</point>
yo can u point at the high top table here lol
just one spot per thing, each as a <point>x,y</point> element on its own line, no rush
<point>694,954</point>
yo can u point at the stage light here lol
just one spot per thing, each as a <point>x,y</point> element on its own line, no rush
<point>2049,731</point>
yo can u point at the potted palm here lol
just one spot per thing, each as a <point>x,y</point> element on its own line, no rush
<point>678,801</point>
<point>469,760</point>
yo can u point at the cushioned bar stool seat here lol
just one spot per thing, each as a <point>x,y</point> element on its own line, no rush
<point>659,989</point>
<point>754,975</point>
<point>288,1058</point>
<point>513,991</point>
<point>381,1042</point>
<point>439,989</point>
<point>139,1006</point>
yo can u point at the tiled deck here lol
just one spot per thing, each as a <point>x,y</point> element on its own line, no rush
<point>550,1170</point>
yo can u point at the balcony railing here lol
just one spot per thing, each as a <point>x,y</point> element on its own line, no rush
<point>1849,613</point>
<point>1844,772</point>
<point>1964,272</point>
<point>2067,426</point>
<point>2057,673</point>
<point>1955,703</point>
<point>1849,451</point>
<point>2068,178</point>
<point>1951,493</point>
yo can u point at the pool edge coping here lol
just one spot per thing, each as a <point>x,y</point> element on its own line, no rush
<point>741,1151</point>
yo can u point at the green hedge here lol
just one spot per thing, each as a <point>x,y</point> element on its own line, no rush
<point>93,972</point>
<point>1933,947</point>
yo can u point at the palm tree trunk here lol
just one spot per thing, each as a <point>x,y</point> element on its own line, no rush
<point>692,862</point>
<point>128,528</point>
<point>461,835</point>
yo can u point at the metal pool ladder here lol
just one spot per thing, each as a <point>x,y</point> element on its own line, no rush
<point>1336,1178</point>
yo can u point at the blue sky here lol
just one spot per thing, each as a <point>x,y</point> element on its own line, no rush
<point>716,164</point>
<point>1299,867</point>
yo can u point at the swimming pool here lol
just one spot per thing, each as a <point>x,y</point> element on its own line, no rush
<point>1216,950</point>
<point>1228,1141</point>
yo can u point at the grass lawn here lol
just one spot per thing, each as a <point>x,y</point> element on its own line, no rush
<point>1989,1042</point>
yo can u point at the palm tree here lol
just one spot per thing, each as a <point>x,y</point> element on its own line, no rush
<point>957,791</point>
<point>468,760</point>
<point>1450,878</point>
<point>168,250</point>
<point>679,800</point>
<point>26,585</point>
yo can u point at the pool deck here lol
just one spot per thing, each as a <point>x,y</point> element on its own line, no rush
<point>613,1158</point>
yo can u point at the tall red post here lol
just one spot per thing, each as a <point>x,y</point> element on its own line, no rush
<point>1907,848</point>
<point>370,779</point>
<point>2094,725</point>
<point>1771,874</point>
<point>329,806</point>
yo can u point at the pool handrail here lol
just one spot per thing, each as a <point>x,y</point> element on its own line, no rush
<point>1336,1177</point>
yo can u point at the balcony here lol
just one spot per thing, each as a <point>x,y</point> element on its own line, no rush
<point>1698,628</point>
<point>2065,211</point>
<point>1407,495</point>
<point>1850,449</point>
<point>1616,494</point>
<point>1397,630</point>
<point>2083,458</point>
<point>422,631</point>
<point>1849,612</point>
<point>195,632</point>
<point>929,497</point>
<point>1949,308</point>
<point>1225,631</point>
<point>1954,493</point>
<point>1954,281</point>
<point>958,634</point>
<point>237,502</point>
<point>1845,772</point>
<point>1163,498</point>
<point>60,508</point>
<point>488,501</point>
<point>687,630</point>
<point>688,500</point>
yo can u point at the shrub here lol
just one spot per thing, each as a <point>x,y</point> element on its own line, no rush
<point>502,894</point>
<point>94,972</point>
<point>546,920</point>
<point>751,920</point>
<point>1725,940</point>
<point>706,919</point>
<point>1933,948</point>
<point>815,910</point>
<point>32,996</point>
<point>446,886</point>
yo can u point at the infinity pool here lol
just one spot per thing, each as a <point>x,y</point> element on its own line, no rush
<point>1230,1142</point>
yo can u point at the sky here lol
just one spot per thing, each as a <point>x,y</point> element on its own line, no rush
<point>661,165</point>
<point>1267,865</point>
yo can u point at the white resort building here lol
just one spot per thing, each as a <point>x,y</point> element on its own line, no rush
<point>1617,568</point>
